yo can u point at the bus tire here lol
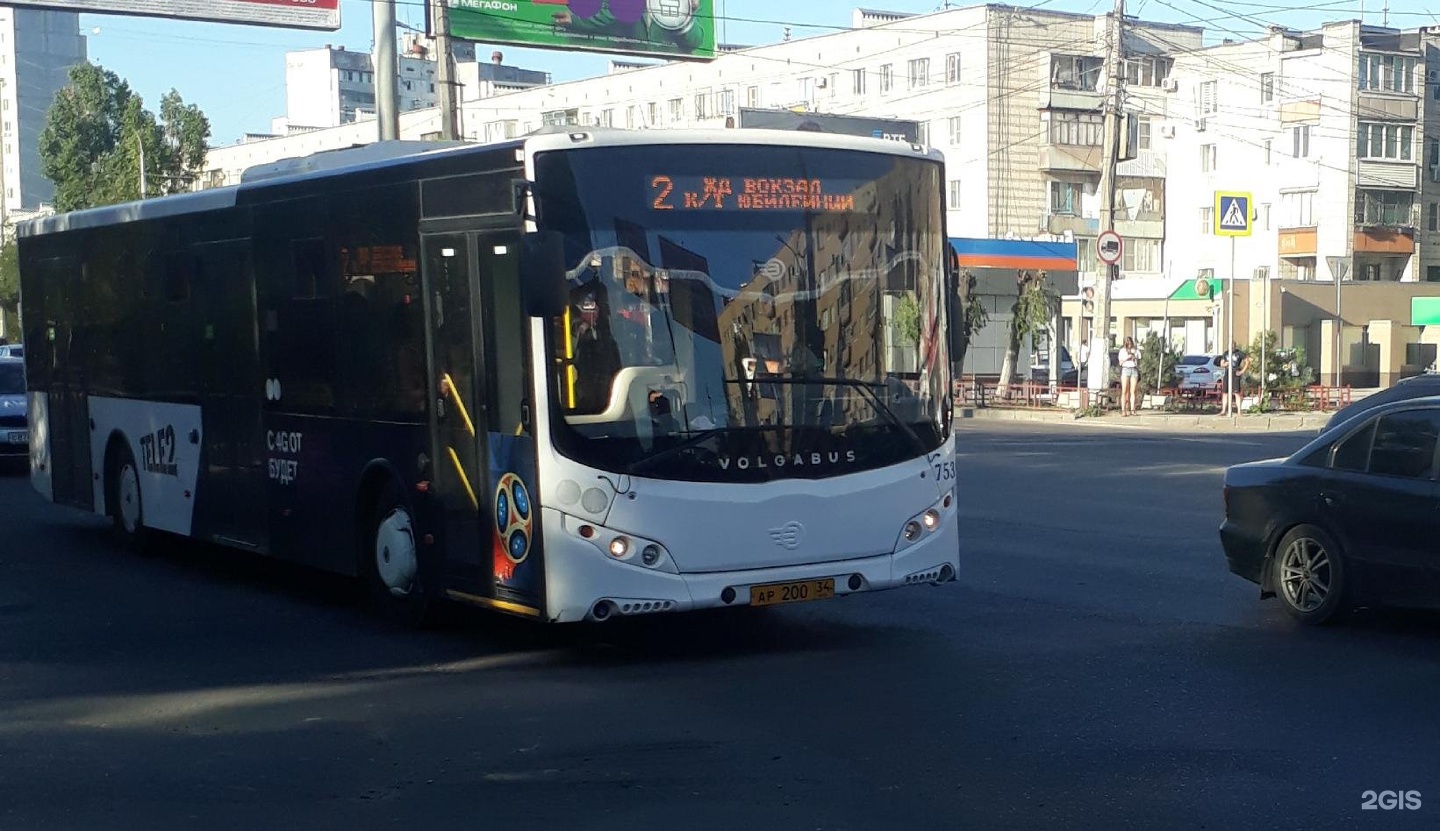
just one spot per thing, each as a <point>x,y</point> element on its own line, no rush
<point>389,562</point>
<point>123,501</point>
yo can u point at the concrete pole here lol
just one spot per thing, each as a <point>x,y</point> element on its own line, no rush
<point>445,71</point>
<point>1100,329</point>
<point>387,89</point>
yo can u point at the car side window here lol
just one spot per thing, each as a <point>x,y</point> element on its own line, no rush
<point>1405,443</point>
<point>1353,453</point>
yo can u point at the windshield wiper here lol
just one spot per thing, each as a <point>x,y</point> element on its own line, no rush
<point>866,387</point>
<point>695,440</point>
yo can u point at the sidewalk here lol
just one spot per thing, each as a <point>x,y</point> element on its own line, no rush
<point>1167,422</point>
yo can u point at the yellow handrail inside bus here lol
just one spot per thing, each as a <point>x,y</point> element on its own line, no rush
<point>454,394</point>
<point>464,480</point>
<point>570,375</point>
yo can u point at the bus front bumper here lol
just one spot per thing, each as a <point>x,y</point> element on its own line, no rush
<point>585,585</point>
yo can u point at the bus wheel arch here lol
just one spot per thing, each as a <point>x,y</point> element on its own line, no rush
<point>388,560</point>
<point>123,500</point>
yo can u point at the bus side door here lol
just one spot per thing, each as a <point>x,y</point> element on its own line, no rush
<point>458,421</point>
<point>231,390</point>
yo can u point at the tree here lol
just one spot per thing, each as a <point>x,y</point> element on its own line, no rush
<point>1157,361</point>
<point>971,315</point>
<point>97,131</point>
<point>1034,308</point>
<point>9,285</point>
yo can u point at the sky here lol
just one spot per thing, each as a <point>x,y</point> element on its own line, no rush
<point>237,73</point>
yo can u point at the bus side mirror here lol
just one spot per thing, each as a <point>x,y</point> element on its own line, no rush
<point>542,274</point>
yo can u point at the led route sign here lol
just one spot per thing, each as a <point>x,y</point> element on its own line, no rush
<point>726,193</point>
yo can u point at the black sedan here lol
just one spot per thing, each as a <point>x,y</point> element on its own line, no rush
<point>1351,519</point>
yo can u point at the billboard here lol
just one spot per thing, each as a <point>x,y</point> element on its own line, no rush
<point>292,14</point>
<point>675,29</point>
<point>847,125</point>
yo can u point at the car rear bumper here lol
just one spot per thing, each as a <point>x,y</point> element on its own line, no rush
<point>1245,551</point>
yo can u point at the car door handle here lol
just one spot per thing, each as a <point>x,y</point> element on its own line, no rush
<point>1333,499</point>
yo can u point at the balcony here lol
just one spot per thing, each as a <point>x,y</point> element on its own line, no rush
<point>1386,174</point>
<point>1073,158</point>
<point>1071,98</point>
<point>1298,242</point>
<point>1058,223</point>
<point>1387,106</point>
<point>1384,239</point>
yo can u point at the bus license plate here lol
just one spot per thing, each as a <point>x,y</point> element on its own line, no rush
<point>797,592</point>
<point>19,437</point>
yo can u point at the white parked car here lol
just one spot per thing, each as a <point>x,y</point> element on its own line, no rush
<point>12,350</point>
<point>1199,372</point>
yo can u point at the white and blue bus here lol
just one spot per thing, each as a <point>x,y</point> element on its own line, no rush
<point>574,376</point>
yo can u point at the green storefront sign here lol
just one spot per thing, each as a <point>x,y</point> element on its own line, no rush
<point>676,29</point>
<point>1424,311</point>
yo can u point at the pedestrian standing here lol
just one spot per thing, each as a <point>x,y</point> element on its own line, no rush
<point>1129,377</point>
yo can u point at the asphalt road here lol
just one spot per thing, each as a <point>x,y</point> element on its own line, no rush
<point>1096,667</point>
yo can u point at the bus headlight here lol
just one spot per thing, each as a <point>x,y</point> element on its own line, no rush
<point>621,547</point>
<point>924,523</point>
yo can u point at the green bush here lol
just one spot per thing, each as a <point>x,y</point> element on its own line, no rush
<point>1158,358</point>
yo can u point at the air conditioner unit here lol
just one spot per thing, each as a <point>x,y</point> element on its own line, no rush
<point>1200,125</point>
<point>1167,130</point>
<point>1432,75</point>
<point>1169,84</point>
<point>822,82</point>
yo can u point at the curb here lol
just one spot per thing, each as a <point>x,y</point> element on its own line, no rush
<point>1167,423</point>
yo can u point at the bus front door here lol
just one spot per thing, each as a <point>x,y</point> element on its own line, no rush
<point>458,415</point>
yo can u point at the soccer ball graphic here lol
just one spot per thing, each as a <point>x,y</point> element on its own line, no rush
<point>675,15</point>
<point>514,522</point>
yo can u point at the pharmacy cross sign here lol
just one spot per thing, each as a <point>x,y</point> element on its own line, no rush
<point>1232,214</point>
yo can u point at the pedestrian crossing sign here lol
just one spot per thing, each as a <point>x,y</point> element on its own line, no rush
<point>1232,214</point>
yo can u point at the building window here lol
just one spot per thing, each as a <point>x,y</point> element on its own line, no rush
<point>1142,129</point>
<point>752,96</point>
<point>1383,207</point>
<point>677,110</point>
<point>1385,141</point>
<point>1147,72</point>
<point>727,102</point>
<point>857,81</point>
<point>1207,220</point>
<point>1265,215</point>
<point>954,123</point>
<point>1205,101</point>
<point>887,77</point>
<point>632,115</point>
<point>1077,72</point>
<point>1267,87</point>
<point>1300,141</point>
<point>702,105</point>
<point>952,68</point>
<point>1068,198</point>
<point>607,118</point>
<point>954,192</point>
<point>652,114</point>
<point>1387,73</point>
<point>1434,213</point>
<point>1141,255</point>
<point>834,85</point>
<point>1207,158</point>
<point>1265,150</point>
<point>1297,210</point>
<point>1081,129</point>
<point>919,71</point>
<point>1432,273</point>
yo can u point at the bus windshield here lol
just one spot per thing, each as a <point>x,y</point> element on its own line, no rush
<point>747,313</point>
<point>12,378</point>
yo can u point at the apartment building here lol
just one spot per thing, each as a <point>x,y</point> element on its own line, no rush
<point>331,87</point>
<point>37,49</point>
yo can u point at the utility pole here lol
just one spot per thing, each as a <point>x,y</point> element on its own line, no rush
<point>140,142</point>
<point>387,98</point>
<point>1100,328</point>
<point>445,70</point>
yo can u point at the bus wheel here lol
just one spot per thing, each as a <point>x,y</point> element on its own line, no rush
<point>124,504</point>
<point>390,563</point>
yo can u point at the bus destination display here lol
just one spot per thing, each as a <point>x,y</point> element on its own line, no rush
<point>737,193</point>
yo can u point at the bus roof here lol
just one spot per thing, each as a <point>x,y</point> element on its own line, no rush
<point>375,156</point>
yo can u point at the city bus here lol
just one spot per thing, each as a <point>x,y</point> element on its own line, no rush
<point>574,377</point>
